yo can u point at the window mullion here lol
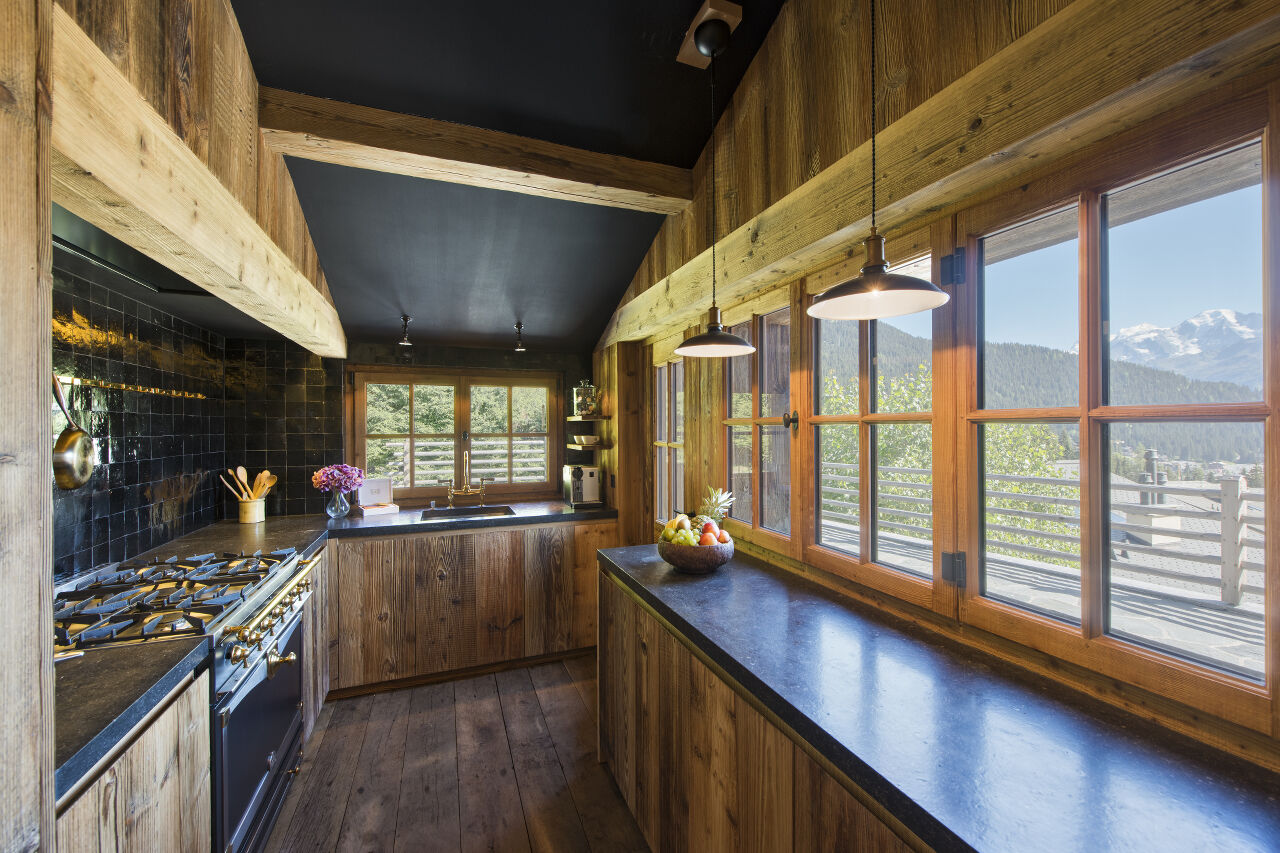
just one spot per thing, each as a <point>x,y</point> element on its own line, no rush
<point>1093,477</point>
<point>413,474</point>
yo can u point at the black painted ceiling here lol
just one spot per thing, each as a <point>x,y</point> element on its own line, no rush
<point>467,262</point>
<point>594,74</point>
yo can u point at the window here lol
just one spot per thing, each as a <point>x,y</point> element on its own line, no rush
<point>668,445</point>
<point>1119,427</point>
<point>758,439</point>
<point>424,429</point>
<point>873,393</point>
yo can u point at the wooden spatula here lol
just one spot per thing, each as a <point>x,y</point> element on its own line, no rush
<point>268,480</point>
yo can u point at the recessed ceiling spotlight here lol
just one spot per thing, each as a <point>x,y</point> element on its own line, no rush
<point>519,337</point>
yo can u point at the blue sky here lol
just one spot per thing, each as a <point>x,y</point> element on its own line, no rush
<point>1164,269</point>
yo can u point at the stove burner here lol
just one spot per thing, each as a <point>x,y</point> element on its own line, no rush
<point>161,598</point>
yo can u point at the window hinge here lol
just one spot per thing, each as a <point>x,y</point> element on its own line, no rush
<point>953,568</point>
<point>953,267</point>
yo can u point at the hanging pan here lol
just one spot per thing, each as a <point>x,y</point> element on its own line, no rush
<point>73,451</point>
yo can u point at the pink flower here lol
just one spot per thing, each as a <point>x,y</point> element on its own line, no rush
<point>342,477</point>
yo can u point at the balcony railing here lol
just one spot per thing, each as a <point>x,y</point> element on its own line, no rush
<point>1217,526</point>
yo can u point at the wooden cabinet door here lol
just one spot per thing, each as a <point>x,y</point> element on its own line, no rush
<point>315,628</point>
<point>156,795</point>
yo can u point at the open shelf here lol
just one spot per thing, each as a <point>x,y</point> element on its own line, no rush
<point>589,446</point>
<point>584,418</point>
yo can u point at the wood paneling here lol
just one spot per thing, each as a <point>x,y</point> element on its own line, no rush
<point>417,605</point>
<point>156,100</point>
<point>26,509</point>
<point>700,767</point>
<point>156,795</point>
<point>367,138</point>
<point>625,375</point>
<point>315,626</point>
<point>797,126</point>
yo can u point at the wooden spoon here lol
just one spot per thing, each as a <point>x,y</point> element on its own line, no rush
<point>235,478</point>
<point>244,479</point>
<point>268,480</point>
<point>239,495</point>
<point>257,486</point>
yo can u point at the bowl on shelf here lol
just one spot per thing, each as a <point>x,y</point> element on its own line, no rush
<point>696,559</point>
<point>586,439</point>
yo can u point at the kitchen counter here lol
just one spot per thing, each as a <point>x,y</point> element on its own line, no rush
<point>101,696</point>
<point>969,752</point>
<point>410,520</point>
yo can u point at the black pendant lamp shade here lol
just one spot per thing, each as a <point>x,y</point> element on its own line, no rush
<point>876,293</point>
<point>711,37</point>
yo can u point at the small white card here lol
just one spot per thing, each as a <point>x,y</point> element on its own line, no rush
<point>376,490</point>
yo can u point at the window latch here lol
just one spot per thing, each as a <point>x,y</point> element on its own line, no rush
<point>953,568</point>
<point>791,420</point>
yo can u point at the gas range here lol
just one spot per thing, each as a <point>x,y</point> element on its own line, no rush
<point>251,606</point>
<point>204,594</point>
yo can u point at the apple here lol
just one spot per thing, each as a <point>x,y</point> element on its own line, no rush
<point>724,537</point>
<point>707,539</point>
<point>710,527</point>
<point>682,523</point>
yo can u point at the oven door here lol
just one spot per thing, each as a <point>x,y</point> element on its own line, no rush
<point>256,730</point>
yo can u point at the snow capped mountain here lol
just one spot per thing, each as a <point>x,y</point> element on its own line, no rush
<point>1218,345</point>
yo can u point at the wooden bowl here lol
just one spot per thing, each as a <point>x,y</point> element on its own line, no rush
<point>695,559</point>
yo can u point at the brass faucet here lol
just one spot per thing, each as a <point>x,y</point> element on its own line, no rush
<point>467,490</point>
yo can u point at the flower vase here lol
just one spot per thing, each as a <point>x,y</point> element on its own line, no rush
<point>338,505</point>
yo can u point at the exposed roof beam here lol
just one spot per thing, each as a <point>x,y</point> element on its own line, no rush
<point>367,138</point>
<point>1092,70</point>
<point>118,164</point>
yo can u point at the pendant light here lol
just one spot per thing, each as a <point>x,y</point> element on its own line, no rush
<point>404,341</point>
<point>875,292</point>
<point>711,37</point>
<point>519,336</point>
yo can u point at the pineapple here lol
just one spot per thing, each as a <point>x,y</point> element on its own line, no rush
<point>715,506</point>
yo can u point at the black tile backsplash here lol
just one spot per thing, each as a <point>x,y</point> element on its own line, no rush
<point>157,455</point>
<point>283,412</point>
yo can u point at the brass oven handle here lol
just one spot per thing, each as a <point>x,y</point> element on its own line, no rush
<point>275,661</point>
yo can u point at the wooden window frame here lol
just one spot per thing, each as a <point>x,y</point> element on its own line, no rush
<point>359,376</point>
<point>674,490</point>
<point>928,592</point>
<point>1145,152</point>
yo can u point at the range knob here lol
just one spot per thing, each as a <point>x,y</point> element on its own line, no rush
<point>277,611</point>
<point>238,653</point>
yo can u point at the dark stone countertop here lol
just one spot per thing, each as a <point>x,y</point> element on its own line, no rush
<point>410,520</point>
<point>968,751</point>
<point>302,532</point>
<point>101,696</point>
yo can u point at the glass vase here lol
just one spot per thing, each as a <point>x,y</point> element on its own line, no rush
<point>338,505</point>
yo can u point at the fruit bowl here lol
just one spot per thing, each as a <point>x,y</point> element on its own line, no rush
<point>696,559</point>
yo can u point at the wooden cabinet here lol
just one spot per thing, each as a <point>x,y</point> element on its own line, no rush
<point>155,796</point>
<point>415,605</point>
<point>315,633</point>
<point>700,767</point>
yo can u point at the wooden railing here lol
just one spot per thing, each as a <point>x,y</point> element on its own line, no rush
<point>905,507</point>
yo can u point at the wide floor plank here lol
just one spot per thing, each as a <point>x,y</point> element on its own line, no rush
<point>606,821</point>
<point>549,812</point>
<point>370,821</point>
<point>488,799</point>
<point>317,818</point>
<point>502,762</point>
<point>427,819</point>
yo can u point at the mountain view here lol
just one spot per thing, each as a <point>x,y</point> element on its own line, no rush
<point>1218,345</point>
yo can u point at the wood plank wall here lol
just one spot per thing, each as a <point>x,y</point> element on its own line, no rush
<point>188,59</point>
<point>26,506</point>
<point>802,104</point>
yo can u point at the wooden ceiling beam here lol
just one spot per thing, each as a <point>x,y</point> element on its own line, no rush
<point>1090,71</point>
<point>118,164</point>
<point>367,138</point>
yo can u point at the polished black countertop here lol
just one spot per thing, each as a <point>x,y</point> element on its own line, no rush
<point>969,752</point>
<point>410,520</point>
<point>102,695</point>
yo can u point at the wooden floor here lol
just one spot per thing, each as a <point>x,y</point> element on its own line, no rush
<point>503,762</point>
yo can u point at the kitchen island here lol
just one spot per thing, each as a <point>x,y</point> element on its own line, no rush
<point>867,727</point>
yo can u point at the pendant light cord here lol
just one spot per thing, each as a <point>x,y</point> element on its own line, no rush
<point>711,224</point>
<point>873,115</point>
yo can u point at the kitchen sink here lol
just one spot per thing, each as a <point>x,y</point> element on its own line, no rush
<point>466,512</point>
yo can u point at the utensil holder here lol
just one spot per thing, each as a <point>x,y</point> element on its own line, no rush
<point>252,512</point>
